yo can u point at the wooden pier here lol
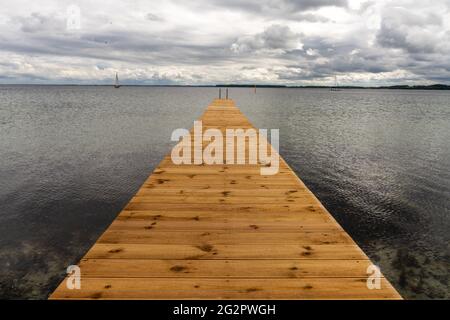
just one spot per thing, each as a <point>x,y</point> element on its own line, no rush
<point>224,232</point>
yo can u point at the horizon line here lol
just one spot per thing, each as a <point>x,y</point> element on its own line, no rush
<point>244,85</point>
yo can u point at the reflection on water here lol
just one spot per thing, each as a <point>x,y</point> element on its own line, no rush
<point>73,156</point>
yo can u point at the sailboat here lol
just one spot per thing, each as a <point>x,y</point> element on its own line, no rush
<point>336,85</point>
<point>116,83</point>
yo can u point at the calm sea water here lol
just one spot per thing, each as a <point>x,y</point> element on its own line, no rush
<point>71,158</point>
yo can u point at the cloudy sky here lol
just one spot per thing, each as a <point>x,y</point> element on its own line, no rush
<point>294,42</point>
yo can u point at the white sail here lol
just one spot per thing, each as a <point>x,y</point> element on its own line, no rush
<point>116,83</point>
<point>336,85</point>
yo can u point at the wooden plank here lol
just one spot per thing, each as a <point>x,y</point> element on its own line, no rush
<point>195,224</point>
<point>236,251</point>
<point>144,268</point>
<point>224,237</point>
<point>219,215</point>
<point>223,192</point>
<point>224,232</point>
<point>224,200</point>
<point>176,288</point>
<point>229,207</point>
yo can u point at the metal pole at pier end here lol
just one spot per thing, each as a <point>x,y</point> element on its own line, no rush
<point>227,94</point>
<point>220,93</point>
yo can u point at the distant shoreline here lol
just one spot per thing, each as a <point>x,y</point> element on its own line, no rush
<point>398,87</point>
<point>405,87</point>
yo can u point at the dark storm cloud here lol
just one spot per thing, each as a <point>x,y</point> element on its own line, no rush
<point>282,9</point>
<point>309,17</point>
<point>132,47</point>
<point>321,59</point>
<point>37,22</point>
<point>120,45</point>
<point>270,6</point>
<point>274,37</point>
<point>318,56</point>
<point>153,17</point>
<point>405,30</point>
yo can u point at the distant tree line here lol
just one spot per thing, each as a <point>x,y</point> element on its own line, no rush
<point>403,87</point>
